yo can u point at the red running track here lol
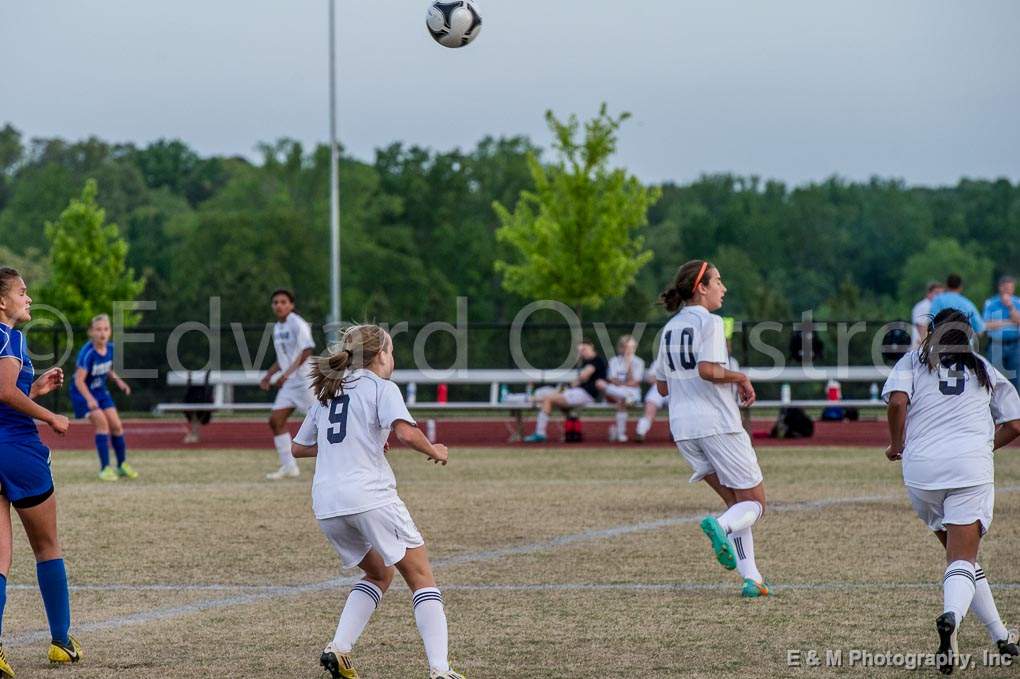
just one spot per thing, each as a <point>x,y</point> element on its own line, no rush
<point>493,432</point>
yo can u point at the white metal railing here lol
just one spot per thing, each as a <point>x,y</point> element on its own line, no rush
<point>223,383</point>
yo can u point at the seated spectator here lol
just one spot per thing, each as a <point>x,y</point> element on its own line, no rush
<point>582,391</point>
<point>623,384</point>
<point>1002,320</point>
<point>654,402</point>
<point>953,298</point>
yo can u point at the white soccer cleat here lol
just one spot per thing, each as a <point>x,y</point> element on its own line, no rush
<point>285,472</point>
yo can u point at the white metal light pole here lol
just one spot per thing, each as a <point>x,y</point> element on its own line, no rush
<point>334,183</point>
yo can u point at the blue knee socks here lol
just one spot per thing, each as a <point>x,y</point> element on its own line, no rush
<point>120,448</point>
<point>103,448</point>
<point>3,598</point>
<point>56,599</point>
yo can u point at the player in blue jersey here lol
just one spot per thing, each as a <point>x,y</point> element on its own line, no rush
<point>90,397</point>
<point>25,479</point>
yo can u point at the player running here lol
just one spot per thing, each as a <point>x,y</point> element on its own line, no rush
<point>945,402</point>
<point>90,397</point>
<point>354,492</point>
<point>292,339</point>
<point>704,418</point>
<point>623,387</point>
<point>25,476</point>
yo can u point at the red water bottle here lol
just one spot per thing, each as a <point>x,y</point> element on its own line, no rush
<point>441,393</point>
<point>834,391</point>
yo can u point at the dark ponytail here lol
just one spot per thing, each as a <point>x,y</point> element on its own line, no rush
<point>949,343</point>
<point>682,290</point>
<point>358,347</point>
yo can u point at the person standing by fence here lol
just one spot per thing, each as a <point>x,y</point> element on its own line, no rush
<point>920,315</point>
<point>1002,318</point>
<point>953,298</point>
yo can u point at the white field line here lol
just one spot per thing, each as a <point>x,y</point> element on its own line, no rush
<point>542,587</point>
<point>280,592</point>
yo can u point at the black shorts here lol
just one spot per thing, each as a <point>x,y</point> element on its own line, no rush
<point>32,500</point>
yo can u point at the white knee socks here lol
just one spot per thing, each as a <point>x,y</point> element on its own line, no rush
<point>740,516</point>
<point>361,603</point>
<point>430,616</point>
<point>984,606</point>
<point>282,443</point>
<point>743,547</point>
<point>541,423</point>
<point>958,588</point>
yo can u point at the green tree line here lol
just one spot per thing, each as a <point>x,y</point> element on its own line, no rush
<point>420,228</point>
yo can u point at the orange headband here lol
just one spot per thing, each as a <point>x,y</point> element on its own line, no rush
<point>704,265</point>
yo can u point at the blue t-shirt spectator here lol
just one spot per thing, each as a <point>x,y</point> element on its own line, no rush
<point>97,368</point>
<point>951,299</point>
<point>995,310</point>
<point>14,425</point>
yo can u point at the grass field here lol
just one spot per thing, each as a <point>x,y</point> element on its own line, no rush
<point>553,564</point>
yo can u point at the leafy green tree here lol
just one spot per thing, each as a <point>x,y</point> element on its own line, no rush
<point>11,152</point>
<point>748,296</point>
<point>175,166</point>
<point>88,263</point>
<point>942,257</point>
<point>32,266</point>
<point>577,232</point>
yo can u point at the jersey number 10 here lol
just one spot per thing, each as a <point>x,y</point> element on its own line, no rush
<point>686,347</point>
<point>338,416</point>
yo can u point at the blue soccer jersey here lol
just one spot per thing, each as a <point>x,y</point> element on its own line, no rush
<point>97,369</point>
<point>16,426</point>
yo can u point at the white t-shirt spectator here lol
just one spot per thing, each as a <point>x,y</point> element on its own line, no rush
<point>919,315</point>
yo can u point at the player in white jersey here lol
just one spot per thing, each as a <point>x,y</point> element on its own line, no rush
<point>354,492</point>
<point>623,386</point>
<point>292,339</point>
<point>654,401</point>
<point>705,420</point>
<point>949,409</point>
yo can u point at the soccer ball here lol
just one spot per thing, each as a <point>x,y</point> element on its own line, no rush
<point>454,23</point>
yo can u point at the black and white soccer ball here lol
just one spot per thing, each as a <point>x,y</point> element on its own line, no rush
<point>454,23</point>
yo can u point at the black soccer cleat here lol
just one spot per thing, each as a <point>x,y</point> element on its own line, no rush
<point>945,658</point>
<point>338,664</point>
<point>1008,646</point>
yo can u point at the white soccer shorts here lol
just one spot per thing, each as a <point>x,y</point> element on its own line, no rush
<point>297,394</point>
<point>576,396</point>
<point>624,393</point>
<point>954,506</point>
<point>729,456</point>
<point>658,400</point>
<point>388,530</point>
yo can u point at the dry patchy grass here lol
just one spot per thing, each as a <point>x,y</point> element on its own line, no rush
<point>848,573</point>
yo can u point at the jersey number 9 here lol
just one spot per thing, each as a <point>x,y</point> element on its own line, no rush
<point>954,381</point>
<point>338,416</point>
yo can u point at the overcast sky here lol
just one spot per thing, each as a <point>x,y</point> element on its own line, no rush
<point>924,90</point>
